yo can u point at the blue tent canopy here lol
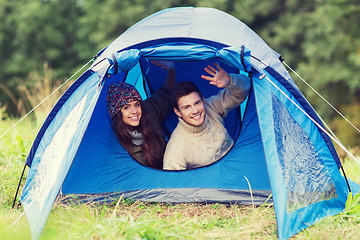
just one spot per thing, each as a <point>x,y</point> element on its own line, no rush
<point>279,154</point>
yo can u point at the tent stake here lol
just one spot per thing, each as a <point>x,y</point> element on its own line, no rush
<point>17,190</point>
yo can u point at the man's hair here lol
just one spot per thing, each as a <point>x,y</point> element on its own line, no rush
<point>183,89</point>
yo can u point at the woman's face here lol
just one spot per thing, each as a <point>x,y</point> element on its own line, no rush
<point>131,113</point>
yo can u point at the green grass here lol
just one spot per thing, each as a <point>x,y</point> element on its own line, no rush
<point>125,219</point>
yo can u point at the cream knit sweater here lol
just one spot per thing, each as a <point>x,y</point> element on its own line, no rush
<point>192,147</point>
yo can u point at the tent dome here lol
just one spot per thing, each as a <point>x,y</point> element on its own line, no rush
<point>201,23</point>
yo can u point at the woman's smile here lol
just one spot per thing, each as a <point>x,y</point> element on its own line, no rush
<point>131,113</point>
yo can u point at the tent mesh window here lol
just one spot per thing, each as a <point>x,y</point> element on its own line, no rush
<point>307,179</point>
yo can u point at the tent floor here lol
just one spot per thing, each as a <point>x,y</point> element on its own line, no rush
<point>177,195</point>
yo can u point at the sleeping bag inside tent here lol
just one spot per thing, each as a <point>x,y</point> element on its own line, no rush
<point>279,155</point>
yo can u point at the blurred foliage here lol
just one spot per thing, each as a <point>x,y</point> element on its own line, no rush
<point>320,39</point>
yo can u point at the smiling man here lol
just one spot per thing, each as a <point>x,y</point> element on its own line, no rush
<point>200,137</point>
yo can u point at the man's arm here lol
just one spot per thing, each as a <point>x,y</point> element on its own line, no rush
<point>236,90</point>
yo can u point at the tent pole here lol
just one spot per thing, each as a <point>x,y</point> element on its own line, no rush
<point>17,190</point>
<point>342,169</point>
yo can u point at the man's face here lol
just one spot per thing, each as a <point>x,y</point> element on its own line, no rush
<point>191,109</point>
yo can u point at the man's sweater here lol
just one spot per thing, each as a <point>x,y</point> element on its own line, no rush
<point>192,147</point>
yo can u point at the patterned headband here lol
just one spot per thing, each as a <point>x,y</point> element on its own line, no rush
<point>120,94</point>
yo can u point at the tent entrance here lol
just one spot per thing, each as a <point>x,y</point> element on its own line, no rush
<point>100,151</point>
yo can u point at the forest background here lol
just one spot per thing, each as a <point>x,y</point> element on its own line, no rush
<point>43,42</point>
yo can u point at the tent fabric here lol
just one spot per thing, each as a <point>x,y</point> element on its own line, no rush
<point>55,152</point>
<point>307,107</point>
<point>126,60</point>
<point>190,23</point>
<point>300,160</point>
<point>278,155</point>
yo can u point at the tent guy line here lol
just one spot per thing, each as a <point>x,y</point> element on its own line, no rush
<point>22,214</point>
<point>322,97</point>
<point>332,135</point>
<point>92,60</point>
<point>316,123</point>
<point>313,89</point>
<point>57,89</point>
<point>322,120</point>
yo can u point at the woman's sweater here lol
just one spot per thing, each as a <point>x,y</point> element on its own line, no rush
<point>157,107</point>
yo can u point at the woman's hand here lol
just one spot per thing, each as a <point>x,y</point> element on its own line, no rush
<point>166,65</point>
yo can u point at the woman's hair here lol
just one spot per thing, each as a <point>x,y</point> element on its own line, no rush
<point>183,89</point>
<point>152,147</point>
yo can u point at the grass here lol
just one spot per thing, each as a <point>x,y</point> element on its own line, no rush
<point>125,219</point>
<point>137,220</point>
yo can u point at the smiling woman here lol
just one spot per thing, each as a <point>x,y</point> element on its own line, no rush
<point>136,123</point>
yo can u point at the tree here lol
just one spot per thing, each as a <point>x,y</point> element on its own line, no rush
<point>39,32</point>
<point>320,39</point>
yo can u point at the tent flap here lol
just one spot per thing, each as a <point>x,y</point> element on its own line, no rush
<point>238,56</point>
<point>56,151</point>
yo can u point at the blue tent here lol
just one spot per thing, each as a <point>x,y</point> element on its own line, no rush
<point>281,153</point>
